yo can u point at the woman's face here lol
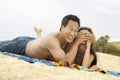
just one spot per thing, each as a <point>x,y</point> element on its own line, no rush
<point>82,46</point>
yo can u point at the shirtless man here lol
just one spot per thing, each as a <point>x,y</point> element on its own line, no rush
<point>50,47</point>
<point>86,55</point>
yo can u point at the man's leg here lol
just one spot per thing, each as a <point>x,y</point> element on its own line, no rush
<point>38,31</point>
<point>5,45</point>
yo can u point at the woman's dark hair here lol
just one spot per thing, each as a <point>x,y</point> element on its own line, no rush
<point>92,51</point>
<point>67,18</point>
<point>85,28</point>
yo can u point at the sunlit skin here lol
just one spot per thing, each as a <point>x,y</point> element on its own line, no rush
<point>38,31</point>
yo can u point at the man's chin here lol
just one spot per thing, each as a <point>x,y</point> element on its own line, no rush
<point>69,41</point>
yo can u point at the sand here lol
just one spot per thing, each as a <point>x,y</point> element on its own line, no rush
<point>14,69</point>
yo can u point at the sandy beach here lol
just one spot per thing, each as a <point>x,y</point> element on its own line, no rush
<point>14,69</point>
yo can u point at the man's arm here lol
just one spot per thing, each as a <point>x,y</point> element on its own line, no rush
<point>59,54</point>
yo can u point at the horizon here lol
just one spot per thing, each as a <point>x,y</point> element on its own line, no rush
<point>18,17</point>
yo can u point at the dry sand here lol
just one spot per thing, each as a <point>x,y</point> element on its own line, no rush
<point>14,69</point>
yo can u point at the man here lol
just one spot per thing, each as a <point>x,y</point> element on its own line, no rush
<point>50,47</point>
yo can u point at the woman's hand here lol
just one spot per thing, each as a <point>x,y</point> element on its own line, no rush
<point>91,38</point>
<point>81,37</point>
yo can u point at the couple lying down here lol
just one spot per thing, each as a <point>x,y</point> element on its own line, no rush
<point>85,54</point>
<point>67,45</point>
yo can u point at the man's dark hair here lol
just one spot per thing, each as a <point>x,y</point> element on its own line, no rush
<point>70,17</point>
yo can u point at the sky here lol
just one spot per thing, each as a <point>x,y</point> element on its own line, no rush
<point>18,17</point>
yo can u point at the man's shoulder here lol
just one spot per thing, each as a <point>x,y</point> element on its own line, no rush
<point>51,39</point>
<point>52,36</point>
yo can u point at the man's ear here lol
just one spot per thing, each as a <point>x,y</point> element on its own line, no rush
<point>62,27</point>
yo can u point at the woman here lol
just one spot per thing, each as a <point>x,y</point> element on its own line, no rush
<point>86,55</point>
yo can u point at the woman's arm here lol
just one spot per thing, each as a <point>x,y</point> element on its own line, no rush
<point>87,58</point>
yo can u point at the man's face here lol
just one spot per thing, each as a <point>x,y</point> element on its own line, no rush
<point>70,31</point>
